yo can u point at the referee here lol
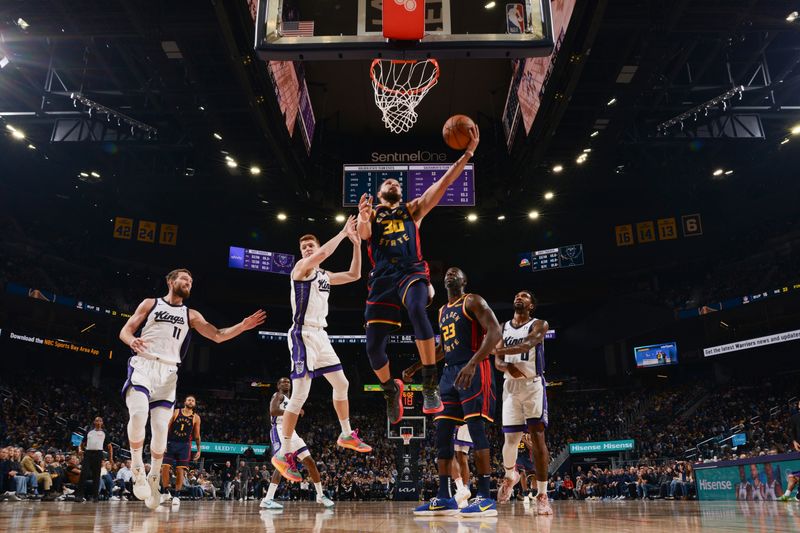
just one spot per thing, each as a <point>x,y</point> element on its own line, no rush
<point>92,446</point>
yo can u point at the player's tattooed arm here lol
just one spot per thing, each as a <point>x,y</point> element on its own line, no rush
<point>408,373</point>
<point>534,338</point>
<point>477,307</point>
<point>126,334</point>
<point>211,332</point>
<point>421,206</point>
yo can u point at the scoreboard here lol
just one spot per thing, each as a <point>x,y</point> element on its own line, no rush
<point>415,180</point>
<point>552,258</point>
<point>260,260</point>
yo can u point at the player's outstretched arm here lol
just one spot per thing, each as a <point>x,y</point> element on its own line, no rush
<point>275,404</point>
<point>477,307</point>
<point>364,224</point>
<point>421,206</point>
<point>211,332</point>
<point>128,331</point>
<point>408,373</point>
<point>535,337</point>
<point>304,267</point>
<point>354,274</point>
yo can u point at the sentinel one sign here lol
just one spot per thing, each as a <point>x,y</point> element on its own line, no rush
<point>610,446</point>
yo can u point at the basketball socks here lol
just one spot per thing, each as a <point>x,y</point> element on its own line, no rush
<point>429,376</point>
<point>483,485</point>
<point>155,466</point>
<point>346,431</point>
<point>788,493</point>
<point>318,486</point>
<point>444,487</point>
<point>137,462</point>
<point>273,487</point>
<point>541,487</point>
<point>459,483</point>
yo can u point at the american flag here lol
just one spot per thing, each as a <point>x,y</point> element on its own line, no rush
<point>297,28</point>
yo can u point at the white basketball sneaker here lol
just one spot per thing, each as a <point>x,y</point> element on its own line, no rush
<point>140,487</point>
<point>462,497</point>
<point>154,499</point>
<point>176,503</point>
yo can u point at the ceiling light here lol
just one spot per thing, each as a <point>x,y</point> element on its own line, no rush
<point>557,169</point>
<point>231,163</point>
<point>718,172</point>
<point>587,150</point>
<point>281,216</point>
<point>472,217</point>
<point>18,134</point>
<point>786,140</point>
<point>9,127</point>
<point>255,171</point>
<point>24,25</point>
<point>227,157</point>
<point>340,218</point>
<point>533,215</point>
<point>501,217</point>
<point>792,16</point>
<point>612,102</point>
<point>201,108</point>
<point>490,5</point>
<point>549,195</point>
<point>796,129</point>
<point>32,147</point>
<point>84,175</point>
<point>728,172</point>
<point>217,136</point>
<point>595,133</point>
<point>95,174</point>
<point>4,60</point>
<point>581,160</point>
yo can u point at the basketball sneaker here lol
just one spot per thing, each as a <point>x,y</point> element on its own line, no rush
<point>431,400</point>
<point>154,499</point>
<point>462,497</point>
<point>324,500</point>
<point>176,503</point>
<point>437,507</point>
<point>286,465</point>
<point>140,487</point>
<point>479,506</point>
<point>394,402</point>
<point>507,487</point>
<point>270,504</point>
<point>543,505</point>
<point>165,498</point>
<point>353,442</point>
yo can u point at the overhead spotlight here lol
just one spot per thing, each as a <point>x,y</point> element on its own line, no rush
<point>255,171</point>
<point>201,108</point>
<point>718,172</point>
<point>612,102</point>
<point>595,133</point>
<point>94,174</point>
<point>18,134</point>
<point>4,60</point>
<point>228,157</point>
<point>231,163</point>
<point>796,129</point>
<point>10,128</point>
<point>501,217</point>
<point>792,16</point>
<point>490,5</point>
<point>728,172</point>
<point>587,150</point>
<point>31,147</point>
<point>557,169</point>
<point>533,215</point>
<point>340,218</point>
<point>217,136</point>
<point>84,175</point>
<point>472,217</point>
<point>786,140</point>
<point>581,159</point>
<point>23,25</point>
<point>282,216</point>
<point>549,195</point>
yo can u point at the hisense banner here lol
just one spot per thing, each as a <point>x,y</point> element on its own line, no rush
<point>756,479</point>
<point>610,446</point>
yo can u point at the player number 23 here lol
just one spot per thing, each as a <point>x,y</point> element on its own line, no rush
<point>449,331</point>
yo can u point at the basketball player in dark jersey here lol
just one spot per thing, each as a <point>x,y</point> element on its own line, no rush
<point>469,332</point>
<point>392,232</point>
<point>183,429</point>
<point>525,465</point>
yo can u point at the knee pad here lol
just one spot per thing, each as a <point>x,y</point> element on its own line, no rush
<point>340,385</point>
<point>138,408</point>
<point>416,301</point>
<point>377,338</point>
<point>444,438</point>
<point>159,428</point>
<point>300,390</point>
<point>477,430</point>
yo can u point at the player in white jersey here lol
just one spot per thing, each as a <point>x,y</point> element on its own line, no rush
<point>166,325</point>
<point>277,410</point>
<point>311,350</point>
<point>520,356</point>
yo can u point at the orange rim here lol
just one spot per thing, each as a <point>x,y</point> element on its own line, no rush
<point>403,61</point>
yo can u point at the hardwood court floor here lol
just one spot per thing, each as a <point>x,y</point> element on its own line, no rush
<point>572,517</point>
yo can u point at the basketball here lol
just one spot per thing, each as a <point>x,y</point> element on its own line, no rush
<point>456,131</point>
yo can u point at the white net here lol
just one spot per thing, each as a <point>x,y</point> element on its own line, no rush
<point>399,87</point>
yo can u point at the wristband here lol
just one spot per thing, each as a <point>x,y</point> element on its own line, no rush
<point>470,153</point>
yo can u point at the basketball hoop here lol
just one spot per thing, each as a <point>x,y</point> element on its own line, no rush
<point>400,85</point>
<point>406,433</point>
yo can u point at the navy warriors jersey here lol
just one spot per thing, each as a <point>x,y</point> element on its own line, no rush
<point>166,332</point>
<point>523,451</point>
<point>310,299</point>
<point>395,236</point>
<point>182,427</point>
<point>462,335</point>
<point>531,363</point>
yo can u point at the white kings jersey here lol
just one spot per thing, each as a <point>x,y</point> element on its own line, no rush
<point>310,300</point>
<point>166,332</point>
<point>530,363</point>
<point>277,421</point>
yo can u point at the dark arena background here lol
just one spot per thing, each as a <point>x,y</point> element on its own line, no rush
<point>637,172</point>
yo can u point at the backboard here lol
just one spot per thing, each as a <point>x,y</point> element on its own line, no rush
<point>353,29</point>
<point>417,425</point>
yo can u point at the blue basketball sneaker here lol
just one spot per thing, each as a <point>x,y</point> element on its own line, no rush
<point>479,507</point>
<point>438,507</point>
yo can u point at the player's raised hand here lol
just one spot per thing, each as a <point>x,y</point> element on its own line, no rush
<point>474,138</point>
<point>352,232</point>
<point>365,208</point>
<point>254,320</point>
<point>464,378</point>
<point>138,345</point>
